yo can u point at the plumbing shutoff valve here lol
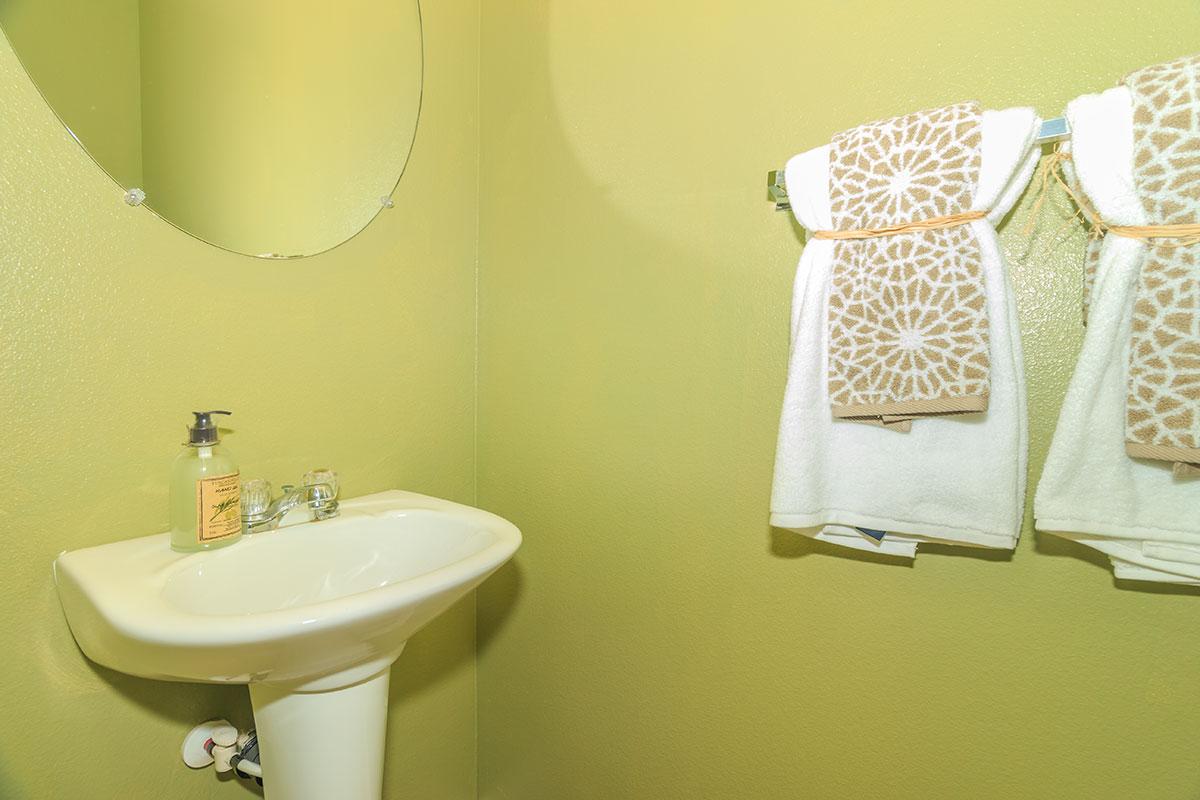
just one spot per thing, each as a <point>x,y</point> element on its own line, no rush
<point>214,741</point>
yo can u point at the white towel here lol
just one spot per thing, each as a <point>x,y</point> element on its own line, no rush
<point>1136,511</point>
<point>951,479</point>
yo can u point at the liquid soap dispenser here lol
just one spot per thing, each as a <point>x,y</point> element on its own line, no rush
<point>206,509</point>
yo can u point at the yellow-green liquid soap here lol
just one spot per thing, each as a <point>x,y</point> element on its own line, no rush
<point>206,509</point>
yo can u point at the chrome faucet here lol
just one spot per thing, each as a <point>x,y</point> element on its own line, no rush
<point>318,493</point>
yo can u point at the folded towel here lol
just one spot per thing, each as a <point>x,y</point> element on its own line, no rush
<point>1141,513</point>
<point>1162,418</point>
<point>955,478</point>
<point>907,315</point>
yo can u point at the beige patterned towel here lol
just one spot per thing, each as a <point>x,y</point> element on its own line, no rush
<point>908,327</point>
<point>1162,420</point>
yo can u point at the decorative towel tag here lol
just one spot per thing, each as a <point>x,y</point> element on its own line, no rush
<point>907,312</point>
<point>1163,409</point>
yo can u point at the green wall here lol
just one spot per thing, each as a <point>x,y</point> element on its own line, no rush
<point>114,325</point>
<point>98,84</point>
<point>654,637</point>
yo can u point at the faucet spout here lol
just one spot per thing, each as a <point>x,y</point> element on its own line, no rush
<point>260,513</point>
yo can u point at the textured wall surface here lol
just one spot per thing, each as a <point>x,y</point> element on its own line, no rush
<point>654,637</point>
<point>114,325</point>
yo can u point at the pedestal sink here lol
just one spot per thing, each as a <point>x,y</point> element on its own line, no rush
<point>311,616</point>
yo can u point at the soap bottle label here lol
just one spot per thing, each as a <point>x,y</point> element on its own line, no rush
<point>218,507</point>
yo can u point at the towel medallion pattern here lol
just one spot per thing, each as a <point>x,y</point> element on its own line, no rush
<point>1163,408</point>
<point>907,314</point>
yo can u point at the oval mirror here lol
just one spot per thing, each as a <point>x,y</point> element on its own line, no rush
<point>275,128</point>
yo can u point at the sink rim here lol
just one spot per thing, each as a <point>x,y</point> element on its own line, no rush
<point>126,612</point>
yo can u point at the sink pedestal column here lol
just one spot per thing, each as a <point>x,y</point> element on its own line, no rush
<point>318,745</point>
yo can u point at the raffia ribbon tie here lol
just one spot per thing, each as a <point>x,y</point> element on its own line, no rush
<point>936,223</point>
<point>1183,233</point>
<point>1051,169</point>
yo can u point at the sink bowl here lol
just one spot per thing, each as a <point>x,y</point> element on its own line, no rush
<point>311,616</point>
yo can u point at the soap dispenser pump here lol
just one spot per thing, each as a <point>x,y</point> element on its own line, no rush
<point>206,510</point>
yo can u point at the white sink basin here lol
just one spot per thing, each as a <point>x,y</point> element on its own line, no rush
<point>311,616</point>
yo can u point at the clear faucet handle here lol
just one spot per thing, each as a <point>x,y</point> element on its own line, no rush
<point>326,476</point>
<point>256,497</point>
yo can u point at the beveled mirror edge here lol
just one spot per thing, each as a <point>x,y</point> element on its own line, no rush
<point>385,201</point>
